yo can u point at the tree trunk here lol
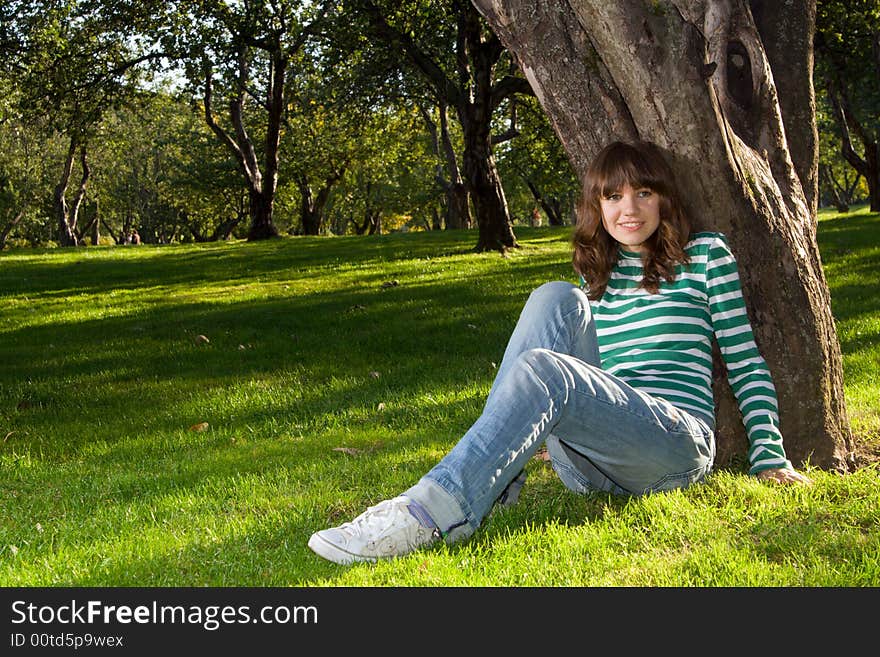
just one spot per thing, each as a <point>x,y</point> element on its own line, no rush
<point>840,202</point>
<point>471,92</point>
<point>68,215</point>
<point>262,227</point>
<point>311,218</point>
<point>261,190</point>
<point>96,225</point>
<point>475,116</point>
<point>550,206</point>
<point>66,232</point>
<point>312,206</point>
<point>4,235</point>
<point>847,123</point>
<point>784,32</point>
<point>693,77</point>
<point>458,202</point>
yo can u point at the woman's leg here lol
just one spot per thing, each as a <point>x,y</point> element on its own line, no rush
<point>626,441</point>
<point>549,387</point>
<point>600,433</point>
<point>556,316</point>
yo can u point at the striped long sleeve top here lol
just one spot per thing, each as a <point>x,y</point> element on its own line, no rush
<point>661,344</point>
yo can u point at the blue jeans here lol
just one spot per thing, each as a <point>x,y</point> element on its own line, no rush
<point>601,434</point>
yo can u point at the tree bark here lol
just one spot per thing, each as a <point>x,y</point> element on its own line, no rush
<point>312,206</point>
<point>847,123</point>
<point>550,206</point>
<point>693,77</point>
<point>458,199</point>
<point>786,30</point>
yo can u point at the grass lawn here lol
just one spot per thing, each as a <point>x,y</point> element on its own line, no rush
<point>188,415</point>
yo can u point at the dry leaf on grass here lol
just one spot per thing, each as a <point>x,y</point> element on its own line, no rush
<point>542,455</point>
<point>201,426</point>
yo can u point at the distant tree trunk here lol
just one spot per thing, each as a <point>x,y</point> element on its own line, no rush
<point>436,221</point>
<point>475,116</point>
<point>470,90</point>
<point>224,229</point>
<point>111,232</point>
<point>67,214</point>
<point>693,77</point>
<point>261,189</point>
<point>550,206</point>
<point>841,203</point>
<point>312,205</point>
<point>96,225</point>
<point>847,123</point>
<point>482,179</point>
<point>457,199</point>
<point>4,235</point>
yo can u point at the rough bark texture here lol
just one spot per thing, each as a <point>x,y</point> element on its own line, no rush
<point>693,76</point>
<point>786,28</point>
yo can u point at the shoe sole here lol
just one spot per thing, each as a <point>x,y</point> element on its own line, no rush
<point>324,548</point>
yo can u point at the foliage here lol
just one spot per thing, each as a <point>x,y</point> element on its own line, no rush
<point>534,162</point>
<point>129,78</point>
<point>847,47</point>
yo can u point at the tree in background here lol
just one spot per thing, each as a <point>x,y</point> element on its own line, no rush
<point>28,162</point>
<point>848,65</point>
<point>72,62</point>
<point>536,159</point>
<point>840,184</point>
<point>166,175</point>
<point>449,45</point>
<point>698,78</point>
<point>238,56</point>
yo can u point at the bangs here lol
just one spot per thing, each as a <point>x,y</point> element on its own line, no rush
<point>624,165</point>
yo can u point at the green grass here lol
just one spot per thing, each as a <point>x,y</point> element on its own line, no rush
<point>104,481</point>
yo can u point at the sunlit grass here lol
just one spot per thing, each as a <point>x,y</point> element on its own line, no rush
<point>189,415</point>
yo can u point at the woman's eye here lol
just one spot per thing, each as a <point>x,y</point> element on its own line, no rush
<point>612,197</point>
<point>645,193</point>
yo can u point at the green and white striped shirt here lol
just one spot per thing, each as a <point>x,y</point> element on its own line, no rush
<point>661,344</point>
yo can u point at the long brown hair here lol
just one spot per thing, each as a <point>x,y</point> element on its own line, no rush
<point>639,164</point>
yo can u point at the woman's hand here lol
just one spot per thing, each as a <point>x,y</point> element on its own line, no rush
<point>784,476</point>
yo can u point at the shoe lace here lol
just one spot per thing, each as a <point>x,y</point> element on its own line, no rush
<point>374,515</point>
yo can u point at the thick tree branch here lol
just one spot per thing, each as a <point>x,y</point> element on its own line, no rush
<point>432,71</point>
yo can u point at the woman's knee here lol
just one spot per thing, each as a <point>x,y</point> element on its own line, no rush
<point>542,363</point>
<point>557,295</point>
<point>552,292</point>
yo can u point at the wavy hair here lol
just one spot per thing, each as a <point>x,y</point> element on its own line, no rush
<point>639,164</point>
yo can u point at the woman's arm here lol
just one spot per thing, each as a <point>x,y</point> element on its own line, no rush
<point>747,371</point>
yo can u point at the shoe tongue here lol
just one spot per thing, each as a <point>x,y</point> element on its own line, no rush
<point>418,512</point>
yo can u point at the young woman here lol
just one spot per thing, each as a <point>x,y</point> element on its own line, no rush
<point>614,376</point>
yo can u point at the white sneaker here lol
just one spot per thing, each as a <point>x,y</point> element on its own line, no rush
<point>390,529</point>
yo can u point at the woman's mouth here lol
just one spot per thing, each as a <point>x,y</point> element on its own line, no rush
<point>630,225</point>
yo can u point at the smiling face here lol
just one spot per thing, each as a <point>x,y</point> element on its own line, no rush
<point>631,215</point>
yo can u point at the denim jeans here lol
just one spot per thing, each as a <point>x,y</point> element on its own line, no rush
<point>601,434</point>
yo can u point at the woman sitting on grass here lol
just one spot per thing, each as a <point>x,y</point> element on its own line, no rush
<point>615,376</point>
